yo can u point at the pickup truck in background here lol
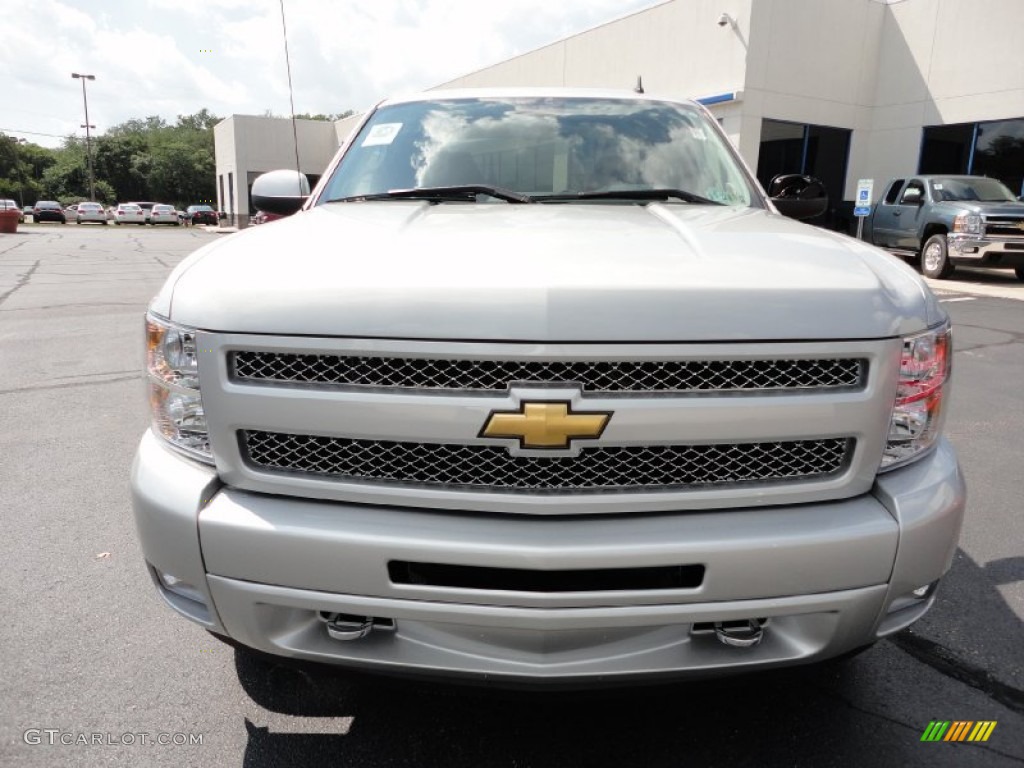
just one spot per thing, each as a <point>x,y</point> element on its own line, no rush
<point>945,221</point>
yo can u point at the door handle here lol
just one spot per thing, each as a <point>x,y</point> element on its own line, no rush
<point>896,213</point>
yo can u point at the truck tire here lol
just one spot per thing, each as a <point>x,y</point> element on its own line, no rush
<point>935,261</point>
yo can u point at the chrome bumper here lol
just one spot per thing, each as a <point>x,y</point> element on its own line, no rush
<point>968,249</point>
<point>267,569</point>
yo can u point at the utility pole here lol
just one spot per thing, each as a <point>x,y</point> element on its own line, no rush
<point>88,138</point>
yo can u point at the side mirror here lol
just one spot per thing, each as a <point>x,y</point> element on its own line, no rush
<point>282,192</point>
<point>798,196</point>
<point>912,197</point>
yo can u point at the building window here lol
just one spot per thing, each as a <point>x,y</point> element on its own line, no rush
<point>817,150</point>
<point>946,149</point>
<point>220,197</point>
<point>994,149</point>
<point>999,153</point>
<point>231,193</point>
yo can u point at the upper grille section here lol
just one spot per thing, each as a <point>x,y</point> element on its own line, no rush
<point>605,376</point>
<point>596,469</point>
<point>1006,226</point>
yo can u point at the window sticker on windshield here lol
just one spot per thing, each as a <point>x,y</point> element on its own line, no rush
<point>383,133</point>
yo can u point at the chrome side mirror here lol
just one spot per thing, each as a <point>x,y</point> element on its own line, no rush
<point>282,192</point>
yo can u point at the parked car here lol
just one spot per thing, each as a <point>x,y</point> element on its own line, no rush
<point>942,221</point>
<point>201,214</point>
<point>129,213</point>
<point>12,205</point>
<point>26,211</point>
<point>146,208</point>
<point>597,414</point>
<point>71,211</point>
<point>163,214</point>
<point>49,210</point>
<point>90,212</point>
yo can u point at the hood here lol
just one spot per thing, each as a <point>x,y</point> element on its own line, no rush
<point>988,209</point>
<point>546,273</point>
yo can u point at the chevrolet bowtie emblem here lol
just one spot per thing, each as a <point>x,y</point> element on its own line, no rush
<point>545,425</point>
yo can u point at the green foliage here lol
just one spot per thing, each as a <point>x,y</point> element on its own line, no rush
<point>21,167</point>
<point>332,117</point>
<point>140,159</point>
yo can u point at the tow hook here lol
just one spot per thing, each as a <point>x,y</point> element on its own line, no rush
<point>345,626</point>
<point>739,634</point>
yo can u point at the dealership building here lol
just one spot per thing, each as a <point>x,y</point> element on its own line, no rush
<point>839,89</point>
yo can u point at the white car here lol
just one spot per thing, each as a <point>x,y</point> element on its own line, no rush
<point>129,213</point>
<point>163,214</point>
<point>90,212</point>
<point>147,208</point>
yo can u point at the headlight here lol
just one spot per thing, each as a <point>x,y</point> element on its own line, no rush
<point>175,404</point>
<point>917,413</point>
<point>968,223</point>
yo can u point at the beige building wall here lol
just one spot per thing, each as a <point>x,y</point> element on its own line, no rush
<point>941,62</point>
<point>246,144</point>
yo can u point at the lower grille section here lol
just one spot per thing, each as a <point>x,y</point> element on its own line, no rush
<point>522,580</point>
<point>598,469</point>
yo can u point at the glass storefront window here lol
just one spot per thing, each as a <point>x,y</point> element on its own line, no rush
<point>994,149</point>
<point>999,153</point>
<point>817,150</point>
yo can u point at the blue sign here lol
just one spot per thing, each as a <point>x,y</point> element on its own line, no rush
<point>862,210</point>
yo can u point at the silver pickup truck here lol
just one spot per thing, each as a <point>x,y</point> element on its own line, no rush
<point>539,386</point>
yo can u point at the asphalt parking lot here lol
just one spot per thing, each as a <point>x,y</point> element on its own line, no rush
<point>89,649</point>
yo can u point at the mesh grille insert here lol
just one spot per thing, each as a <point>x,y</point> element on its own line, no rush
<point>591,375</point>
<point>486,467</point>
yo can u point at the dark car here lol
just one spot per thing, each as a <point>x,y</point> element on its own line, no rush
<point>49,210</point>
<point>201,214</point>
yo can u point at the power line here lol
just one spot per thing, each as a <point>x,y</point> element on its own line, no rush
<point>35,133</point>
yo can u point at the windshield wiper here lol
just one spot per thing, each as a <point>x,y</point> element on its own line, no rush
<point>441,194</point>
<point>632,194</point>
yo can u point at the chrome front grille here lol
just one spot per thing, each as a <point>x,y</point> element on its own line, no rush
<point>1004,226</point>
<point>595,469</point>
<point>593,376</point>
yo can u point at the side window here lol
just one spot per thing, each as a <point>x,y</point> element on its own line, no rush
<point>913,194</point>
<point>893,192</point>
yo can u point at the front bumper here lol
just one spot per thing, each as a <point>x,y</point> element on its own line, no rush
<point>823,575</point>
<point>986,252</point>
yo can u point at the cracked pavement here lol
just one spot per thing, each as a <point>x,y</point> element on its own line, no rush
<point>88,647</point>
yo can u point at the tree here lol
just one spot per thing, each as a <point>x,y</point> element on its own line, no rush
<point>200,121</point>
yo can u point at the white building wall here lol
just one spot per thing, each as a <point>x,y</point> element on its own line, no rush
<point>941,62</point>
<point>249,144</point>
<point>676,47</point>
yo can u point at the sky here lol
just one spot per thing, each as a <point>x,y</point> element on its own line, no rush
<point>169,58</point>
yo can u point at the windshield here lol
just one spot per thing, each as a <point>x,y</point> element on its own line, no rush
<point>544,148</point>
<point>976,189</point>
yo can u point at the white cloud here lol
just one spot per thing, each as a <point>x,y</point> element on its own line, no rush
<point>152,57</point>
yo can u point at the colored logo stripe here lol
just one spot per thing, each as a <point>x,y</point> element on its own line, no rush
<point>958,730</point>
<point>982,730</point>
<point>935,731</point>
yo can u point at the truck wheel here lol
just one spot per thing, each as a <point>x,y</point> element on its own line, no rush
<point>935,261</point>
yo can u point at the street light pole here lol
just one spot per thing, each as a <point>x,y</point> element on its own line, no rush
<point>88,138</point>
